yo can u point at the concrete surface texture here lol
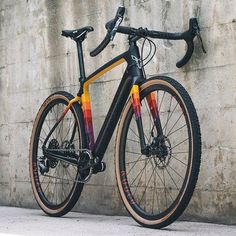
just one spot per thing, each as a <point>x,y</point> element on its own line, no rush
<point>19,221</point>
<point>36,61</point>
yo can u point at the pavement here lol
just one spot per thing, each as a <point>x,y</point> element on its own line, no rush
<point>21,221</point>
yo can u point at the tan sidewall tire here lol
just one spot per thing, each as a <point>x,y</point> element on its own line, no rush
<point>117,168</point>
<point>42,108</point>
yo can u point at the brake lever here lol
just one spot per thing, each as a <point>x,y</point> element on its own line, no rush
<point>113,32</point>
<point>117,21</point>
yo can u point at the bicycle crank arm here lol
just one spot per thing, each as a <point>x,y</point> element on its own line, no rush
<point>91,163</point>
<point>52,155</point>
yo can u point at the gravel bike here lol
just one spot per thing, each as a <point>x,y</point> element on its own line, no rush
<point>158,141</point>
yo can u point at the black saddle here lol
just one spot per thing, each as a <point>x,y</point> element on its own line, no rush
<point>77,34</point>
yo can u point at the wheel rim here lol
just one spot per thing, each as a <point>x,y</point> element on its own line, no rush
<point>153,188</point>
<point>56,186</point>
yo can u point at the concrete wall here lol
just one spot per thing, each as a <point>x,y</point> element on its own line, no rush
<point>35,61</point>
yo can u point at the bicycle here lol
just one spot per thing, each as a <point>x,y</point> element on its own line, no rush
<point>158,141</point>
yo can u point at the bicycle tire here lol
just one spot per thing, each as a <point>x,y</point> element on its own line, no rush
<point>56,103</point>
<point>128,189</point>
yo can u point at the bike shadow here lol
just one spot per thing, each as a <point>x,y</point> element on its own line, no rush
<point>119,221</point>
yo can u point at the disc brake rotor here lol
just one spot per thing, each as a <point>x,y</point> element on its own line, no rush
<point>162,161</point>
<point>53,145</point>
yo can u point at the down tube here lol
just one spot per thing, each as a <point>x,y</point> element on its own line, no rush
<point>113,116</point>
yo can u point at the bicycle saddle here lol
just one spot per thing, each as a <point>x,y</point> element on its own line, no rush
<point>77,33</point>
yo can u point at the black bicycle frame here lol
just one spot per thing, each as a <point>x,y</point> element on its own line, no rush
<point>133,76</point>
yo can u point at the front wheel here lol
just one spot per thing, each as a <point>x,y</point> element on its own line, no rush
<point>157,188</point>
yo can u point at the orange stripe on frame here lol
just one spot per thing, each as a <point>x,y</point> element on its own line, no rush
<point>86,84</point>
<point>136,101</point>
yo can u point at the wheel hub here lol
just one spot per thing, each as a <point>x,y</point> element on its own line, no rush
<point>160,149</point>
<point>46,163</point>
<point>53,145</point>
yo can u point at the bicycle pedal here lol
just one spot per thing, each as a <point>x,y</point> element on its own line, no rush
<point>100,167</point>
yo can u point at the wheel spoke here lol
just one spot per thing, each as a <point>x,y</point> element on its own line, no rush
<point>179,143</point>
<point>142,171</point>
<point>178,153</point>
<point>175,123</point>
<point>133,140</point>
<point>169,134</point>
<point>139,172</point>
<point>134,165</point>
<point>161,101</point>
<point>147,184</point>
<point>164,182</point>
<point>175,171</point>
<point>134,133</point>
<point>165,126</point>
<point>137,160</point>
<point>172,156</point>
<point>172,179</point>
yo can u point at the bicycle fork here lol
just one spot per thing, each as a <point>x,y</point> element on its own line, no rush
<point>153,107</point>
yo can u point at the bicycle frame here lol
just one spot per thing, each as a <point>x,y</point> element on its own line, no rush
<point>132,76</point>
<point>129,86</point>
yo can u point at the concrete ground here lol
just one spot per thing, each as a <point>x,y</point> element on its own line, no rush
<point>20,221</point>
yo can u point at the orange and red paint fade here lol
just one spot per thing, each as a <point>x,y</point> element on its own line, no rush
<point>88,118</point>
<point>152,103</point>
<point>151,99</point>
<point>136,101</point>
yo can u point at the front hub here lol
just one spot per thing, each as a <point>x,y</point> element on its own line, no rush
<point>160,150</point>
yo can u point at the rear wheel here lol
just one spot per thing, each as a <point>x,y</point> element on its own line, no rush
<point>55,182</point>
<point>156,189</point>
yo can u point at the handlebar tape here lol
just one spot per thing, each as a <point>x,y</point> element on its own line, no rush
<point>101,46</point>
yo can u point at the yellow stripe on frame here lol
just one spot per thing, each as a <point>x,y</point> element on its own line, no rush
<point>135,89</point>
<point>86,84</point>
<point>75,99</point>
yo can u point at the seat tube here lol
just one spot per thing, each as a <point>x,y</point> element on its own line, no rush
<point>88,118</point>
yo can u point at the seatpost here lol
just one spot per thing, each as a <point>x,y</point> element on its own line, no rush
<point>81,60</point>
